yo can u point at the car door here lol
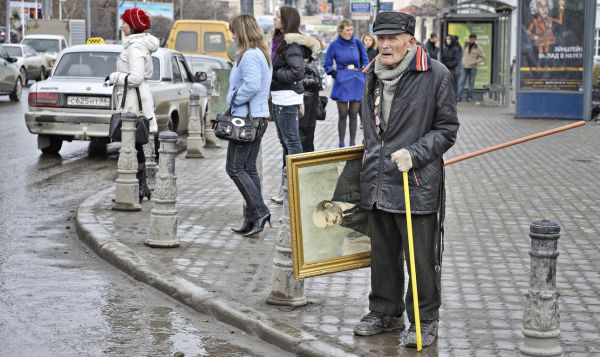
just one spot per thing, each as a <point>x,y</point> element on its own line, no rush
<point>32,62</point>
<point>7,72</point>
<point>187,82</point>
<point>181,90</point>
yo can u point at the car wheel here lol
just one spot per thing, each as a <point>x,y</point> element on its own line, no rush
<point>54,147</point>
<point>42,74</point>
<point>23,75</point>
<point>15,96</point>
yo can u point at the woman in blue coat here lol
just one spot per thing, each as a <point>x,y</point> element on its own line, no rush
<point>350,57</point>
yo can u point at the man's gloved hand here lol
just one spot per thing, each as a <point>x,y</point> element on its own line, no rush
<point>402,159</point>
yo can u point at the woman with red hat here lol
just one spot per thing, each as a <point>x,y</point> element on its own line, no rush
<point>136,63</point>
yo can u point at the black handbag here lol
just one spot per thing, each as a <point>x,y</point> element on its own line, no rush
<point>241,131</point>
<point>321,104</point>
<point>142,125</point>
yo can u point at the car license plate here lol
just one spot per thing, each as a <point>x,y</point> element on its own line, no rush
<point>88,101</point>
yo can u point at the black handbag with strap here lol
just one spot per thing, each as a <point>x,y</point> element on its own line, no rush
<point>142,125</point>
<point>241,131</point>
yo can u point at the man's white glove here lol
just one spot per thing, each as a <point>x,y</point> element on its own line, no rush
<point>402,159</point>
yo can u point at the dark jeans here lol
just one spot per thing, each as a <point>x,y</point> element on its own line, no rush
<point>467,74</point>
<point>286,123</point>
<point>241,167</point>
<point>389,251</point>
<point>141,157</point>
<point>308,122</point>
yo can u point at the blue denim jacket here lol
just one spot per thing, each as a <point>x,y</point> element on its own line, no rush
<point>251,78</point>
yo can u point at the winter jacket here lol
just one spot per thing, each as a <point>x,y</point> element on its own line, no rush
<point>432,50</point>
<point>251,78</point>
<point>423,120</point>
<point>348,83</point>
<point>451,55</point>
<point>288,67</point>
<point>312,79</point>
<point>470,59</point>
<point>372,53</point>
<point>135,60</point>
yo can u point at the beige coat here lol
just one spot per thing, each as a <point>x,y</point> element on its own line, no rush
<point>471,60</point>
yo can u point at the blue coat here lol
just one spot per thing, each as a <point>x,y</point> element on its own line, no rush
<point>348,84</point>
<point>252,80</point>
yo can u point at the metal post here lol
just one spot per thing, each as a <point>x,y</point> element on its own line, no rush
<point>151,166</point>
<point>541,320</point>
<point>285,290</point>
<point>180,9</point>
<point>127,190</point>
<point>60,9</point>
<point>588,57</point>
<point>163,216</point>
<point>195,134</point>
<point>7,18</point>
<point>88,19</point>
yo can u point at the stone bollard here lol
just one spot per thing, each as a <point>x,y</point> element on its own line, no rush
<point>195,139</point>
<point>127,189</point>
<point>541,319</point>
<point>163,215</point>
<point>151,166</point>
<point>285,290</point>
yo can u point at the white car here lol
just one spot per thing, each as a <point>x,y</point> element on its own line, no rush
<point>10,80</point>
<point>74,104</point>
<point>30,63</point>
<point>49,46</point>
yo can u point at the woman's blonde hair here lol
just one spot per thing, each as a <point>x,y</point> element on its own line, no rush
<point>374,45</point>
<point>249,35</point>
<point>343,23</point>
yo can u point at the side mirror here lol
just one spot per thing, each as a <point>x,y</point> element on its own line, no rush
<point>11,59</point>
<point>200,76</point>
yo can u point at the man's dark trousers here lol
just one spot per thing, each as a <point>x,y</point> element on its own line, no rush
<point>389,245</point>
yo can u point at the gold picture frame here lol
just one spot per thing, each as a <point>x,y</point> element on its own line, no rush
<point>327,225</point>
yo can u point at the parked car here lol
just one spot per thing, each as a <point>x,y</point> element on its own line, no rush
<point>30,63</point>
<point>206,64</point>
<point>10,78</point>
<point>15,36</point>
<point>49,46</point>
<point>74,104</point>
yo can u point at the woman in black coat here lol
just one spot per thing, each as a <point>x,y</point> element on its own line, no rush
<point>451,56</point>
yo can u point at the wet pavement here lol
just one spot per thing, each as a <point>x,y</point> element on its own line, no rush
<point>491,202</point>
<point>57,297</point>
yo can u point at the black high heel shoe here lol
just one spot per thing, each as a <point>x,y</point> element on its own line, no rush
<point>259,224</point>
<point>245,228</point>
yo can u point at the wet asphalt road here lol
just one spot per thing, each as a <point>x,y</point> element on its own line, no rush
<point>56,297</point>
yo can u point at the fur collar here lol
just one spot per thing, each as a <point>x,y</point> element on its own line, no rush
<point>309,42</point>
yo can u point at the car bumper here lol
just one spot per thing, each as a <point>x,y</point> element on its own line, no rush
<point>76,126</point>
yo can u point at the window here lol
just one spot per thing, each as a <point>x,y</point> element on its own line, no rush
<point>597,43</point>
<point>29,52</point>
<point>155,69</point>
<point>13,51</point>
<point>214,42</point>
<point>86,64</point>
<point>3,53</point>
<point>42,45</point>
<point>63,44</point>
<point>185,72</point>
<point>186,41</point>
<point>175,70</point>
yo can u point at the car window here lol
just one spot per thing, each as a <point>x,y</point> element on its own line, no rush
<point>63,44</point>
<point>214,42</point>
<point>29,51</point>
<point>42,45</point>
<point>3,53</point>
<point>86,64</point>
<point>175,70</point>
<point>155,69</point>
<point>186,41</point>
<point>14,51</point>
<point>183,68</point>
<point>203,64</point>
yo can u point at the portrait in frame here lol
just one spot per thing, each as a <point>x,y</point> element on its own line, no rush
<point>327,225</point>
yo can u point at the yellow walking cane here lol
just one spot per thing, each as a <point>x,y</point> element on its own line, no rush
<point>411,253</point>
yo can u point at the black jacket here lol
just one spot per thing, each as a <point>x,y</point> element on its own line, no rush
<point>312,79</point>
<point>451,55</point>
<point>422,120</point>
<point>288,67</point>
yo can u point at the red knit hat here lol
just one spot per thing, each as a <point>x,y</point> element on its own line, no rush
<point>137,19</point>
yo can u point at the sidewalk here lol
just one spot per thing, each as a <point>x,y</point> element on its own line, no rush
<point>491,202</point>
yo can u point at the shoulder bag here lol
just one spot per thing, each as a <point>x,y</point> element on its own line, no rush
<point>237,130</point>
<point>142,125</point>
<point>321,104</point>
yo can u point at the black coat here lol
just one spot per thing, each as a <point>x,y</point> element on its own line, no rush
<point>451,55</point>
<point>422,120</point>
<point>288,67</point>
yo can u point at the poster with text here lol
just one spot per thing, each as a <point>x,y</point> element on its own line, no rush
<point>551,48</point>
<point>485,39</point>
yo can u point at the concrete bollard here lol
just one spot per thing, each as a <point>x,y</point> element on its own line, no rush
<point>163,215</point>
<point>195,139</point>
<point>151,166</point>
<point>541,320</point>
<point>285,290</point>
<point>127,189</point>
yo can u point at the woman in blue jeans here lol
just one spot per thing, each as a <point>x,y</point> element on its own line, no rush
<point>249,94</point>
<point>288,51</point>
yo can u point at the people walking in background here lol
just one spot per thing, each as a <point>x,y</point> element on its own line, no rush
<point>249,81</point>
<point>289,49</point>
<point>450,56</point>
<point>458,70</point>
<point>350,57</point>
<point>312,83</point>
<point>416,136</point>
<point>135,63</point>
<point>432,46</point>
<point>472,56</point>
<point>370,45</point>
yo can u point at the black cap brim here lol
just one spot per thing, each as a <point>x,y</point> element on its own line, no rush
<point>388,32</point>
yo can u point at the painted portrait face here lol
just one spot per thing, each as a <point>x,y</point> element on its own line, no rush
<point>347,32</point>
<point>542,8</point>
<point>393,48</point>
<point>330,215</point>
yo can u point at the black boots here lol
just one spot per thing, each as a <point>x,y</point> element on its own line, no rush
<point>144,189</point>
<point>245,228</point>
<point>258,225</point>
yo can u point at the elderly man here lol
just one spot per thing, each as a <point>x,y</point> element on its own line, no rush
<point>409,120</point>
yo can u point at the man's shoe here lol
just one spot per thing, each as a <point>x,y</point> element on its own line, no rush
<point>429,331</point>
<point>375,323</point>
<point>277,199</point>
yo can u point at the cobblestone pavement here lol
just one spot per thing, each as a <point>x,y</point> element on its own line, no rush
<point>491,202</point>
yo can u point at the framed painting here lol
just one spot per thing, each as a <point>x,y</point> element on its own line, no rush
<point>327,225</point>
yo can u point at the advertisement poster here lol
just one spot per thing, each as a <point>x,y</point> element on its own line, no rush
<point>485,32</point>
<point>153,8</point>
<point>552,35</point>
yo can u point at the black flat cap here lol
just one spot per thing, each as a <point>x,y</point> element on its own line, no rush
<point>393,23</point>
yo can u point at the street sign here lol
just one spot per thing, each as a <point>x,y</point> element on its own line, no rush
<point>325,8</point>
<point>360,7</point>
<point>386,6</point>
